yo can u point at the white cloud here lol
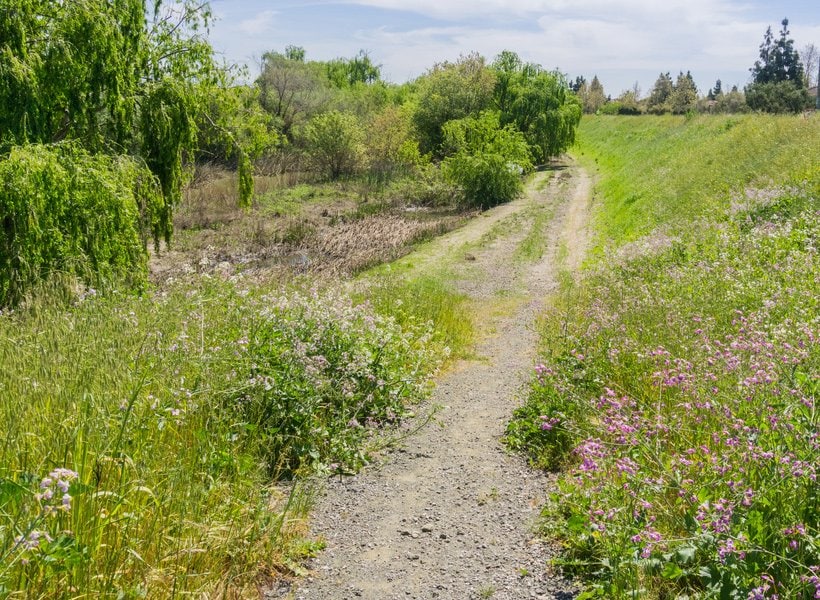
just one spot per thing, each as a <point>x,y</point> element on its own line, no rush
<point>621,42</point>
<point>259,24</point>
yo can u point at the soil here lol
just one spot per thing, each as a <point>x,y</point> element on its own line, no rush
<point>451,514</point>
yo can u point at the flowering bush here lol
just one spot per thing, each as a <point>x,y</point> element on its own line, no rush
<point>688,386</point>
<point>143,436</point>
<point>323,374</point>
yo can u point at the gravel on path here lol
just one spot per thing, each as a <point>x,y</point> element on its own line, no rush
<point>452,514</point>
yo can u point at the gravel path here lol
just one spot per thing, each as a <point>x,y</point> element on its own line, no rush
<point>451,514</point>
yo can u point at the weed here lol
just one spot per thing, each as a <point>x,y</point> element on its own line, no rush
<point>140,434</point>
<point>678,385</point>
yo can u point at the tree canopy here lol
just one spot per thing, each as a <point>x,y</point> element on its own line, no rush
<point>778,81</point>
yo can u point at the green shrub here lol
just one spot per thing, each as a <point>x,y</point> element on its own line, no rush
<point>140,432</point>
<point>778,97</point>
<point>486,160</point>
<point>68,212</point>
<point>335,142</point>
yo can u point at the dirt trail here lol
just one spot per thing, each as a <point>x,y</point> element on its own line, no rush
<point>450,515</point>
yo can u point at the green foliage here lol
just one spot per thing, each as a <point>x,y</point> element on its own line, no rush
<point>684,95</point>
<point>778,97</point>
<point>173,411</point>
<point>291,89</point>
<point>335,141</point>
<point>779,60</point>
<point>486,160</point>
<point>778,82</point>
<point>538,103</point>
<point>660,94</point>
<point>692,461</point>
<point>343,72</point>
<point>391,149</point>
<point>451,91</point>
<point>666,170</point>
<point>119,78</point>
<point>72,213</point>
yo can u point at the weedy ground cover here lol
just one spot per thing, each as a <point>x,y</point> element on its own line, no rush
<point>150,444</point>
<point>678,389</point>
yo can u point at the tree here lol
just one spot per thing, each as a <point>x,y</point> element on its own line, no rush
<point>684,96</point>
<point>116,80</point>
<point>716,91</point>
<point>290,89</point>
<point>344,72</point>
<point>778,82</point>
<point>658,98</point>
<point>390,146</point>
<point>538,103</point>
<point>593,97</point>
<point>451,91</point>
<point>486,160</point>
<point>810,57</point>
<point>335,142</point>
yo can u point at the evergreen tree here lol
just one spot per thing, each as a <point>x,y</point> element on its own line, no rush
<point>684,96</point>
<point>778,82</point>
<point>595,97</point>
<point>658,98</point>
<point>779,61</point>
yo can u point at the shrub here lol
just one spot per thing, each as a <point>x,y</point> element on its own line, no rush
<point>68,212</point>
<point>335,141</point>
<point>778,97</point>
<point>486,160</point>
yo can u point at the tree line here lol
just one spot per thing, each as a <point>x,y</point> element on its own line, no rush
<point>780,82</point>
<point>107,106</point>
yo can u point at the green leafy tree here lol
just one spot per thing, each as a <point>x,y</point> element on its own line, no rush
<point>114,78</point>
<point>778,82</point>
<point>451,91</point>
<point>684,96</point>
<point>485,159</point>
<point>346,72</point>
<point>291,89</point>
<point>335,142</point>
<point>657,102</point>
<point>538,103</point>
<point>390,147</point>
<point>66,211</point>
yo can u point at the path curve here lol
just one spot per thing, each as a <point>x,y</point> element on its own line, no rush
<point>451,514</point>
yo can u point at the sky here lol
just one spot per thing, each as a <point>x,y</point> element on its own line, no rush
<point>622,41</point>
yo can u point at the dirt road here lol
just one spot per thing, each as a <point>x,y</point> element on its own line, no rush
<point>451,513</point>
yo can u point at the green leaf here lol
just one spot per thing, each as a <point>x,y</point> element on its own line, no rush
<point>672,571</point>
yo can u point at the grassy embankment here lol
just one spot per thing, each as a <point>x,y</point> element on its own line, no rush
<point>679,385</point>
<point>151,444</point>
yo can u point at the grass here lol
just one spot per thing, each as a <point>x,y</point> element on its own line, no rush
<point>666,171</point>
<point>153,446</point>
<point>678,385</point>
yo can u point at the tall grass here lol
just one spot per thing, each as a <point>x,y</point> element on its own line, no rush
<point>678,388</point>
<point>665,171</point>
<point>143,437</point>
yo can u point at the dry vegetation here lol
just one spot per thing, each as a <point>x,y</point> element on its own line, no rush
<point>292,228</point>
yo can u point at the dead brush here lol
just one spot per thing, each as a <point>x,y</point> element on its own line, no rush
<point>354,246</point>
<point>211,200</point>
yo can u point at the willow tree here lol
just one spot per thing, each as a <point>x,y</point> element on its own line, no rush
<point>539,103</point>
<point>122,79</point>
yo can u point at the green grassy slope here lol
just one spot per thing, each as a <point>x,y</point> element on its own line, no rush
<point>678,388</point>
<point>664,171</point>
